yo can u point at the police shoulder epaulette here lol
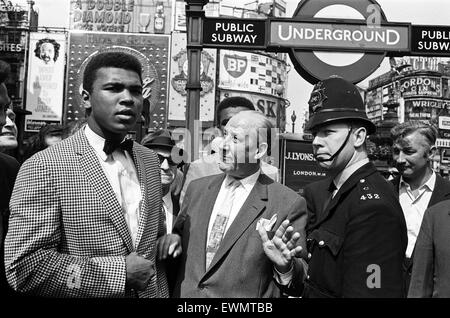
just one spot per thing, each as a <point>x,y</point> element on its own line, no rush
<point>366,192</point>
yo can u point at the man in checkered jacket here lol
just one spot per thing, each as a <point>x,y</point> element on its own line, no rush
<point>86,212</point>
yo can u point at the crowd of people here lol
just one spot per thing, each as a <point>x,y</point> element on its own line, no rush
<point>91,213</point>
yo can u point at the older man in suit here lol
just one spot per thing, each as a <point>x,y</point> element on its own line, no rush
<point>208,165</point>
<point>418,186</point>
<point>86,212</point>
<point>223,254</point>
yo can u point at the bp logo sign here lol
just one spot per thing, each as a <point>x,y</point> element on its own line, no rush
<point>235,64</point>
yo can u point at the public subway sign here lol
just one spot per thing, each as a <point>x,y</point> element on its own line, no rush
<point>330,35</point>
<point>430,40</point>
<point>238,33</point>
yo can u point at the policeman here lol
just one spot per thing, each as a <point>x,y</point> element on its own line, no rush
<point>356,231</point>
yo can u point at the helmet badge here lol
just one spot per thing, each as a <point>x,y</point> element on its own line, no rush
<point>317,97</point>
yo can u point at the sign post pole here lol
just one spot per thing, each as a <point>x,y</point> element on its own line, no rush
<point>194,16</point>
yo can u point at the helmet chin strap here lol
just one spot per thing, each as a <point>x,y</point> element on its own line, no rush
<point>337,152</point>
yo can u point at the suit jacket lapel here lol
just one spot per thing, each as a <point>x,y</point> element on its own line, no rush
<point>142,177</point>
<point>94,173</point>
<point>396,183</point>
<point>441,191</point>
<point>253,206</point>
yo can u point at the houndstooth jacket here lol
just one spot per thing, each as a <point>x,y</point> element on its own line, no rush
<point>68,236</point>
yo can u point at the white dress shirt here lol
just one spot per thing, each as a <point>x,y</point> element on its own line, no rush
<point>120,163</point>
<point>168,211</point>
<point>240,196</point>
<point>414,203</point>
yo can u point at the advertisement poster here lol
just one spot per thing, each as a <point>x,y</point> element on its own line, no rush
<point>151,50</point>
<point>130,16</point>
<point>300,167</point>
<point>423,109</point>
<point>45,85</point>
<point>429,86</point>
<point>178,80</point>
<point>251,72</point>
<point>374,105</point>
<point>268,105</point>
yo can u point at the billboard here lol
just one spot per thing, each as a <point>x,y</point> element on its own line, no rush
<point>413,86</point>
<point>374,104</point>
<point>151,50</point>
<point>268,105</point>
<point>251,72</point>
<point>423,109</point>
<point>45,85</point>
<point>131,16</point>
<point>178,80</point>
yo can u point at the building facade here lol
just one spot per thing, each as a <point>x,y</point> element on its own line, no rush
<point>417,88</point>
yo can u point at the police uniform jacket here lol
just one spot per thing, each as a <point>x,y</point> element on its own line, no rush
<point>357,243</point>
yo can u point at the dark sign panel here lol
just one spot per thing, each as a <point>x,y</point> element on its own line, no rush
<point>430,40</point>
<point>422,109</point>
<point>234,33</point>
<point>299,166</point>
<point>355,37</point>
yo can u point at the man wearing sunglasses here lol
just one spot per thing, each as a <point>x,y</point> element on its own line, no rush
<point>162,143</point>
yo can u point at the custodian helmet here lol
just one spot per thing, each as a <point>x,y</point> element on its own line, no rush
<point>336,99</point>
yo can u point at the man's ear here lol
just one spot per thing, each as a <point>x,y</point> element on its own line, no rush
<point>432,152</point>
<point>86,97</point>
<point>360,136</point>
<point>261,151</point>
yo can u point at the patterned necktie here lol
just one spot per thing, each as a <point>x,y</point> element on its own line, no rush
<point>220,222</point>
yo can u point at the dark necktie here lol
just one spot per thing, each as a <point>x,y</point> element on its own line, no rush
<point>110,146</point>
<point>331,189</point>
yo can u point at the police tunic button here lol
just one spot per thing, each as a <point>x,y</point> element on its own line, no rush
<point>309,255</point>
<point>362,180</point>
<point>321,243</point>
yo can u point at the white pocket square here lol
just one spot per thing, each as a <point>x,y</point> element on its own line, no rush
<point>266,224</point>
